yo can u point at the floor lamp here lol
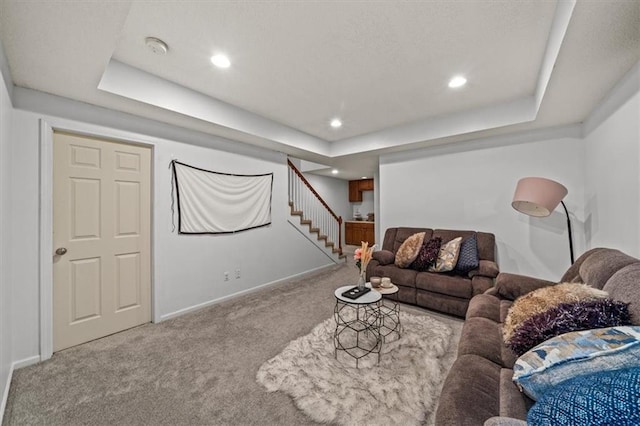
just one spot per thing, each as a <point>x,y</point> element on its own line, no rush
<point>536,196</point>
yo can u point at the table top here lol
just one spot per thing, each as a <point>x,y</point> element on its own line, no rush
<point>371,297</point>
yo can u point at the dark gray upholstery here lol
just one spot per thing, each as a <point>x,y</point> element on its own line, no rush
<point>478,386</point>
<point>444,292</point>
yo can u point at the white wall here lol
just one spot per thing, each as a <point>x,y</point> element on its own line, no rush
<point>613,179</point>
<point>470,186</point>
<point>187,270</point>
<point>365,207</point>
<point>335,193</point>
<point>5,242</point>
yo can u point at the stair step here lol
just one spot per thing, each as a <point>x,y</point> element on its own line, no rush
<point>305,221</point>
<point>314,230</point>
<point>296,213</point>
<point>322,237</point>
<point>329,244</point>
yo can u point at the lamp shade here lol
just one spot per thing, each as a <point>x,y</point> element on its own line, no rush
<point>538,196</point>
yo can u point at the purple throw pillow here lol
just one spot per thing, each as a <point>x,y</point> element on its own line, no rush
<point>568,317</point>
<point>427,255</point>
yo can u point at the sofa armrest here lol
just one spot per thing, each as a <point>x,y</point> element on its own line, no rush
<point>486,268</point>
<point>511,286</point>
<point>373,264</point>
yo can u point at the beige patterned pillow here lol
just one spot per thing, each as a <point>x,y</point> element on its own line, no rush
<point>448,256</point>
<point>409,250</point>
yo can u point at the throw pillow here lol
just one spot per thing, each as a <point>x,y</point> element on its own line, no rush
<point>468,259</point>
<point>384,257</point>
<point>543,299</point>
<point>568,317</point>
<point>447,256</point>
<point>408,251</point>
<point>602,398</point>
<point>427,255</point>
<point>576,354</point>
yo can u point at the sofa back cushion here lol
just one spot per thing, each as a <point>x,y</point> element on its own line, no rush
<point>394,237</point>
<point>601,265</point>
<point>624,285</point>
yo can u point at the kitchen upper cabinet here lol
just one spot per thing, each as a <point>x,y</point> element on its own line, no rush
<point>357,186</point>
<point>366,185</point>
<point>355,194</point>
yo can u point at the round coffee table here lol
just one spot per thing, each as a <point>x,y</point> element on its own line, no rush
<point>389,312</point>
<point>358,324</point>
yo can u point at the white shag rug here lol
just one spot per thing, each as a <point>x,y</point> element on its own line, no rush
<point>402,389</point>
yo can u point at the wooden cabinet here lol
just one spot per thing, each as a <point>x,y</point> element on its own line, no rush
<point>355,195</point>
<point>357,232</point>
<point>366,185</point>
<point>357,186</point>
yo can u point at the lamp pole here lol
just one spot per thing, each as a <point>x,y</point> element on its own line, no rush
<point>569,228</point>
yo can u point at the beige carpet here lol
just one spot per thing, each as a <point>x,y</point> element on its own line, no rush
<point>196,369</point>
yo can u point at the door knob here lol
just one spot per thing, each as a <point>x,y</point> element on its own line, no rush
<point>61,251</point>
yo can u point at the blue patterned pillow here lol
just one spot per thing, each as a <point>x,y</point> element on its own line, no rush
<point>468,259</point>
<point>576,354</point>
<point>603,398</point>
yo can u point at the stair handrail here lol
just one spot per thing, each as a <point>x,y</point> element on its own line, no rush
<point>306,182</point>
<point>321,200</point>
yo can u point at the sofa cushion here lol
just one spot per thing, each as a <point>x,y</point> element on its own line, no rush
<point>468,259</point>
<point>484,306</point>
<point>408,251</point>
<point>448,256</point>
<point>623,285</point>
<point>482,337</point>
<point>576,354</point>
<point>399,235</point>
<point>602,398</point>
<point>442,303</point>
<point>512,402</point>
<point>470,392</point>
<point>568,317</point>
<point>451,285</point>
<point>596,270</point>
<point>400,277</point>
<point>384,257</point>
<point>543,299</point>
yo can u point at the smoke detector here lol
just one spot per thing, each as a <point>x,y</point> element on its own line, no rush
<point>156,45</point>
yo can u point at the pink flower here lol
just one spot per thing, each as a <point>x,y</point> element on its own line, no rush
<point>358,254</point>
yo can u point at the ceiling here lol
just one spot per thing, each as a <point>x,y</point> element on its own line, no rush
<point>381,66</point>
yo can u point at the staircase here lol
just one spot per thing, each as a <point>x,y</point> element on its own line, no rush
<point>321,225</point>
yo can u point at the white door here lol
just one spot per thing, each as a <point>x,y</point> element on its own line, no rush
<point>101,237</point>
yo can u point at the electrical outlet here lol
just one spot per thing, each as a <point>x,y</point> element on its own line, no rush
<point>226,276</point>
<point>237,273</point>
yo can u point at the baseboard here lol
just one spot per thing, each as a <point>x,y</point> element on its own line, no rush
<point>240,293</point>
<point>14,366</point>
<point>5,394</point>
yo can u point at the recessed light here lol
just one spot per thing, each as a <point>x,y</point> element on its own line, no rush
<point>336,123</point>
<point>334,171</point>
<point>364,177</point>
<point>457,81</point>
<point>220,61</point>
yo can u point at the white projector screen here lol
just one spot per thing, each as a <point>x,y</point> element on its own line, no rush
<point>220,203</point>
